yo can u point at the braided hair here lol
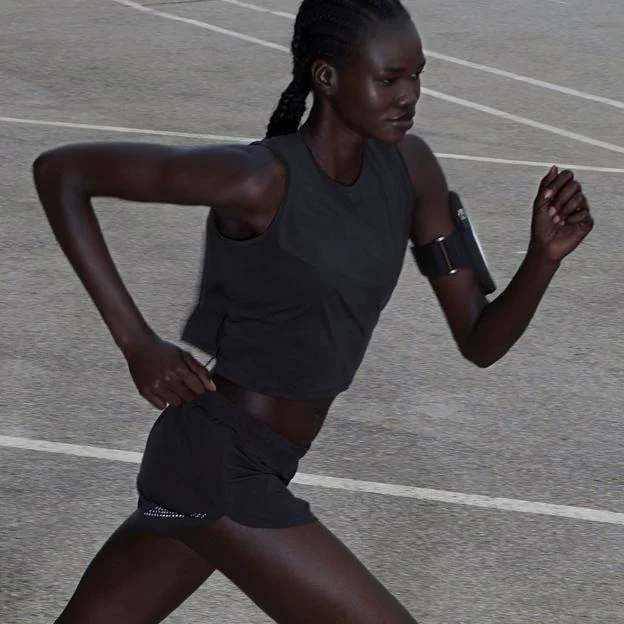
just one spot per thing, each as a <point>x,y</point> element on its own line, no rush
<point>325,29</point>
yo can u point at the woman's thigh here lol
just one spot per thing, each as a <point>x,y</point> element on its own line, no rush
<point>137,577</point>
<point>299,575</point>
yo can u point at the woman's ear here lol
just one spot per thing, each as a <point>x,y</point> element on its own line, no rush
<point>324,77</point>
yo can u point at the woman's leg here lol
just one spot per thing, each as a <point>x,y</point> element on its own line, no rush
<point>299,575</point>
<point>136,578</point>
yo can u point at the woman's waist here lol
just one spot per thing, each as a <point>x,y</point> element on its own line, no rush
<point>297,420</point>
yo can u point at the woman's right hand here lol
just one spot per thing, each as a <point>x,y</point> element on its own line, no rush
<point>164,374</point>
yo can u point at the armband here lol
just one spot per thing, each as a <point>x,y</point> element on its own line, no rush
<point>459,250</point>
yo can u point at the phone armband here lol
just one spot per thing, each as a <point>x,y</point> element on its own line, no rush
<point>459,250</point>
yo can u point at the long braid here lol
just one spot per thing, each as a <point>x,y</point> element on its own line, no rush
<point>325,29</point>
<point>289,111</point>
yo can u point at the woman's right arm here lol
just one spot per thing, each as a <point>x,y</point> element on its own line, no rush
<point>242,179</point>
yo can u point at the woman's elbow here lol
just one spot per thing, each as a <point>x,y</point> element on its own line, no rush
<point>478,357</point>
<point>46,167</point>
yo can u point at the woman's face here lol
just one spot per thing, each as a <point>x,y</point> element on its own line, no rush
<point>378,84</point>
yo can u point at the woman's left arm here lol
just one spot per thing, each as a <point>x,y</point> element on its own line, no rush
<point>484,331</point>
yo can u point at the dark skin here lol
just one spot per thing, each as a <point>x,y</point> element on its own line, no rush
<point>300,574</point>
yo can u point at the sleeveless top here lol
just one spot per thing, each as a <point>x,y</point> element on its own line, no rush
<point>290,312</point>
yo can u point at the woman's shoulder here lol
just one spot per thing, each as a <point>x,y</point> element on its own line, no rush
<point>245,177</point>
<point>268,170</point>
<point>416,151</point>
<point>421,163</point>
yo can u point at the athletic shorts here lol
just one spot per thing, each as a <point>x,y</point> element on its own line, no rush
<point>209,458</point>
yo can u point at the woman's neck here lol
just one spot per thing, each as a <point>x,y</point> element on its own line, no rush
<point>337,150</point>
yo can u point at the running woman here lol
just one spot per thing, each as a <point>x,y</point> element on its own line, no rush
<point>306,237</point>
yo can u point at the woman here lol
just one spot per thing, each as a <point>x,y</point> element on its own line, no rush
<point>306,238</point>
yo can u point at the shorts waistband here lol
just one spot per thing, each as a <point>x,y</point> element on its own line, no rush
<point>220,409</point>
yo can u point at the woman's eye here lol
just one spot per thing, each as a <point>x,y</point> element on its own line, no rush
<point>387,82</point>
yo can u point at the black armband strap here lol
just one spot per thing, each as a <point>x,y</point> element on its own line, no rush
<point>459,250</point>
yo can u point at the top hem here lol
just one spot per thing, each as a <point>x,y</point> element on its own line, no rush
<point>280,393</point>
<point>267,389</point>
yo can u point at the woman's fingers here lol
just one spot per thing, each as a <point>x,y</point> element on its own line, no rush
<point>200,372</point>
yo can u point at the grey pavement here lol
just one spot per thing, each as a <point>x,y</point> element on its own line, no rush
<point>543,425</point>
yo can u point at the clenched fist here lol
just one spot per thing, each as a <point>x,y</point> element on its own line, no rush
<point>561,215</point>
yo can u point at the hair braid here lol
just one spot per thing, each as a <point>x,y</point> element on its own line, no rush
<point>325,29</point>
<point>289,111</point>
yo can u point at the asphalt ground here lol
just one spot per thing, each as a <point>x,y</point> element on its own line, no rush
<point>476,496</point>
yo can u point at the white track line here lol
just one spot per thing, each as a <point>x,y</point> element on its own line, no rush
<point>526,79</point>
<point>352,485</point>
<point>260,9</point>
<point>527,163</point>
<point>435,94</point>
<point>478,66</point>
<point>122,129</point>
<point>246,140</point>
<point>524,121</point>
<point>192,22</point>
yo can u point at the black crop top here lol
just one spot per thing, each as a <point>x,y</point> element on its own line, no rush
<point>289,313</point>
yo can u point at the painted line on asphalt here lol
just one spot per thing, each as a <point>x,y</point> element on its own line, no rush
<point>575,136</point>
<point>544,84</point>
<point>246,140</point>
<point>351,485</point>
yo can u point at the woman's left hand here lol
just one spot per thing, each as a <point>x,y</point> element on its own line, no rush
<point>561,215</point>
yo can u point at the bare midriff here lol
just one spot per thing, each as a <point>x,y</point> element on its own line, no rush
<point>298,421</point>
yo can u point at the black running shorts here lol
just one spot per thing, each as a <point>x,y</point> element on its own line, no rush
<point>209,458</point>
